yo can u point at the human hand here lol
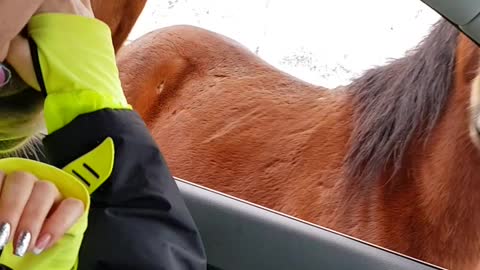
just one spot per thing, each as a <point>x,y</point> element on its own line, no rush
<point>76,64</point>
<point>75,7</point>
<point>33,213</point>
<point>15,15</point>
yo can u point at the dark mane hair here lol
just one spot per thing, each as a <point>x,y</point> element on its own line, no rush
<point>400,102</point>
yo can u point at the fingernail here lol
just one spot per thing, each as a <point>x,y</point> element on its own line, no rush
<point>42,243</point>
<point>22,244</point>
<point>4,234</point>
<point>5,75</point>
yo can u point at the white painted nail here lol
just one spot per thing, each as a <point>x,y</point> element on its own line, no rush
<point>4,234</point>
<point>23,243</point>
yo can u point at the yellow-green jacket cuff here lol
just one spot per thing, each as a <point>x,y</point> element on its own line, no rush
<point>63,255</point>
<point>78,66</point>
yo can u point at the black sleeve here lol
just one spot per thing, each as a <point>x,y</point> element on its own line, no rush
<point>137,219</point>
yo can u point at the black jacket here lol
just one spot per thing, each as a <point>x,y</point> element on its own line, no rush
<point>137,218</point>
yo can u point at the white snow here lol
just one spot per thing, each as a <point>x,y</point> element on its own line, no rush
<point>322,42</point>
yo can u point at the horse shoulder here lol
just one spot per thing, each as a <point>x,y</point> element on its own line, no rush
<point>157,65</point>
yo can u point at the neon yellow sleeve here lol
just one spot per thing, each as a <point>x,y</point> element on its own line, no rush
<point>77,60</point>
<point>64,254</point>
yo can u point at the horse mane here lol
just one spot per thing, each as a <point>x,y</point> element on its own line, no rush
<point>398,103</point>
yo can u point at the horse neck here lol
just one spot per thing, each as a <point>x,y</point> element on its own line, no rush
<point>446,173</point>
<point>119,15</point>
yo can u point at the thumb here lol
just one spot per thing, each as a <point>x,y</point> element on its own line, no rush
<point>20,58</point>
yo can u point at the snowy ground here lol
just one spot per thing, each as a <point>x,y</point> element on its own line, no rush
<point>322,42</point>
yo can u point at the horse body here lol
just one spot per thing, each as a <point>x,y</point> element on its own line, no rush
<point>239,114</point>
<point>390,159</point>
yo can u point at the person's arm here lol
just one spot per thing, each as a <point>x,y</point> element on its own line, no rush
<point>137,218</point>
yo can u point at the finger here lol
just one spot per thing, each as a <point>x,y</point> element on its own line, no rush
<point>88,4</point>
<point>19,56</point>
<point>43,197</point>
<point>4,51</point>
<point>76,7</point>
<point>16,190</point>
<point>87,10</point>
<point>61,220</point>
<point>17,15</point>
<point>2,178</point>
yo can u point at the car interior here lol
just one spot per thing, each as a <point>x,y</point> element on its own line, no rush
<point>240,235</point>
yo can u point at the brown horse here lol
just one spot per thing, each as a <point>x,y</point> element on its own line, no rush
<point>390,158</point>
<point>120,15</point>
